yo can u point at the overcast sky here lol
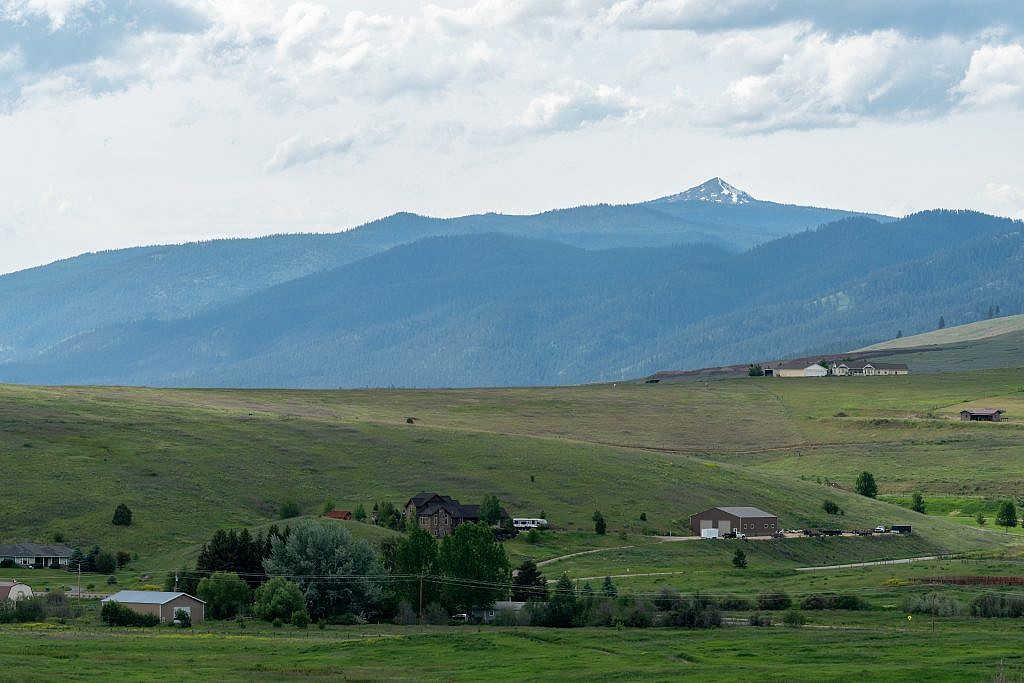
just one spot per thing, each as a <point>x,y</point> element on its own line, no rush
<point>126,122</point>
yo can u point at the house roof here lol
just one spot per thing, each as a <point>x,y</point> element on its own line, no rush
<point>861,364</point>
<point>984,411</point>
<point>147,597</point>
<point>743,511</point>
<point>339,514</point>
<point>28,549</point>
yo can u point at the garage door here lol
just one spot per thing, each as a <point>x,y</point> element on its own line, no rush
<point>705,523</point>
<point>724,526</point>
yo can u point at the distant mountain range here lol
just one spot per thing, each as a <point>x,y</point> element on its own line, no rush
<point>704,277</point>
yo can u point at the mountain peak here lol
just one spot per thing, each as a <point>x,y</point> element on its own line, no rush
<point>715,190</point>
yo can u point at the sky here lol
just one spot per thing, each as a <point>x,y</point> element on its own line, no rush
<point>130,122</point>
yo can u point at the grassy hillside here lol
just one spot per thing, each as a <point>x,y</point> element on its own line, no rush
<point>190,461</point>
<point>983,329</point>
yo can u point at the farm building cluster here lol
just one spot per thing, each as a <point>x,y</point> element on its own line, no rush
<point>844,368</point>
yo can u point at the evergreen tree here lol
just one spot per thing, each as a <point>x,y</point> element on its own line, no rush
<point>608,588</point>
<point>360,513</point>
<point>122,515</point>
<point>866,485</point>
<point>529,583</point>
<point>563,607</point>
<point>739,559</point>
<point>599,524</point>
<point>1007,514</point>
<point>917,503</point>
<point>490,510</point>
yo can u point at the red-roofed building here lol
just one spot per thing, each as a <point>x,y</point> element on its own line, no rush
<point>339,514</point>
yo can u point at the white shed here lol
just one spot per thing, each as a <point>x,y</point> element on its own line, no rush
<point>14,590</point>
<point>815,370</point>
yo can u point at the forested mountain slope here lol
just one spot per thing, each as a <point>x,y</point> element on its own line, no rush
<point>500,310</point>
<point>43,307</point>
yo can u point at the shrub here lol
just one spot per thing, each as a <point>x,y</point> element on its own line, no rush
<point>943,605</point>
<point>116,614</point>
<point>532,536</point>
<point>7,563</point>
<point>225,595</point>
<point>668,599</point>
<point>123,557</point>
<point>288,509</point>
<point>183,618</point>
<point>832,601</point>
<point>105,563</point>
<point>57,604</point>
<point>830,507</point>
<point>22,611</point>
<point>759,620</point>
<point>739,559</point>
<point>794,618</point>
<point>277,623</point>
<point>300,618</point>
<point>278,599</point>
<point>773,601</point>
<point>998,606</point>
<point>735,603</point>
<point>694,612</point>
<point>111,580</point>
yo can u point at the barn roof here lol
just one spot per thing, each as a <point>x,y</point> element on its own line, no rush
<point>984,411</point>
<point>743,511</point>
<point>147,597</point>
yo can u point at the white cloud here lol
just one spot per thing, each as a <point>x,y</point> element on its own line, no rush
<point>56,12</point>
<point>578,106</point>
<point>994,76</point>
<point>299,150</point>
<point>824,81</point>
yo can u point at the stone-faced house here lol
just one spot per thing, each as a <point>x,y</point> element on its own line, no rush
<point>440,514</point>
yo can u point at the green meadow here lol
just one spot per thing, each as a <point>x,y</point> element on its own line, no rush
<point>188,462</point>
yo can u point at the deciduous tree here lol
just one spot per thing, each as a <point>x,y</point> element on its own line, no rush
<point>475,567</point>
<point>336,573</point>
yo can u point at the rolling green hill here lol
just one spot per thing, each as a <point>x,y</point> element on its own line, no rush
<point>983,329</point>
<point>190,461</point>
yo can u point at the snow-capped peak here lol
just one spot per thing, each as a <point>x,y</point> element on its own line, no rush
<point>715,190</point>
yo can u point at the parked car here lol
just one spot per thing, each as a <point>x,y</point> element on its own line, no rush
<point>879,529</point>
<point>740,534</point>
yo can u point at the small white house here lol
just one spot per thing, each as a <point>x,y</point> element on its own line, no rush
<point>14,591</point>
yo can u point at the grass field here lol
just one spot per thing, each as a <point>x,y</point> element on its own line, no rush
<point>190,461</point>
<point>983,329</point>
<point>885,647</point>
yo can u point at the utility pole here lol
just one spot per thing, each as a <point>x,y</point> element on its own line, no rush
<point>421,599</point>
<point>175,582</point>
<point>79,582</point>
<point>933,614</point>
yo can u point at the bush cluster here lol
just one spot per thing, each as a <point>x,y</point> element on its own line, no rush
<point>944,605</point>
<point>998,606</point>
<point>21,611</point>
<point>832,601</point>
<point>116,614</point>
